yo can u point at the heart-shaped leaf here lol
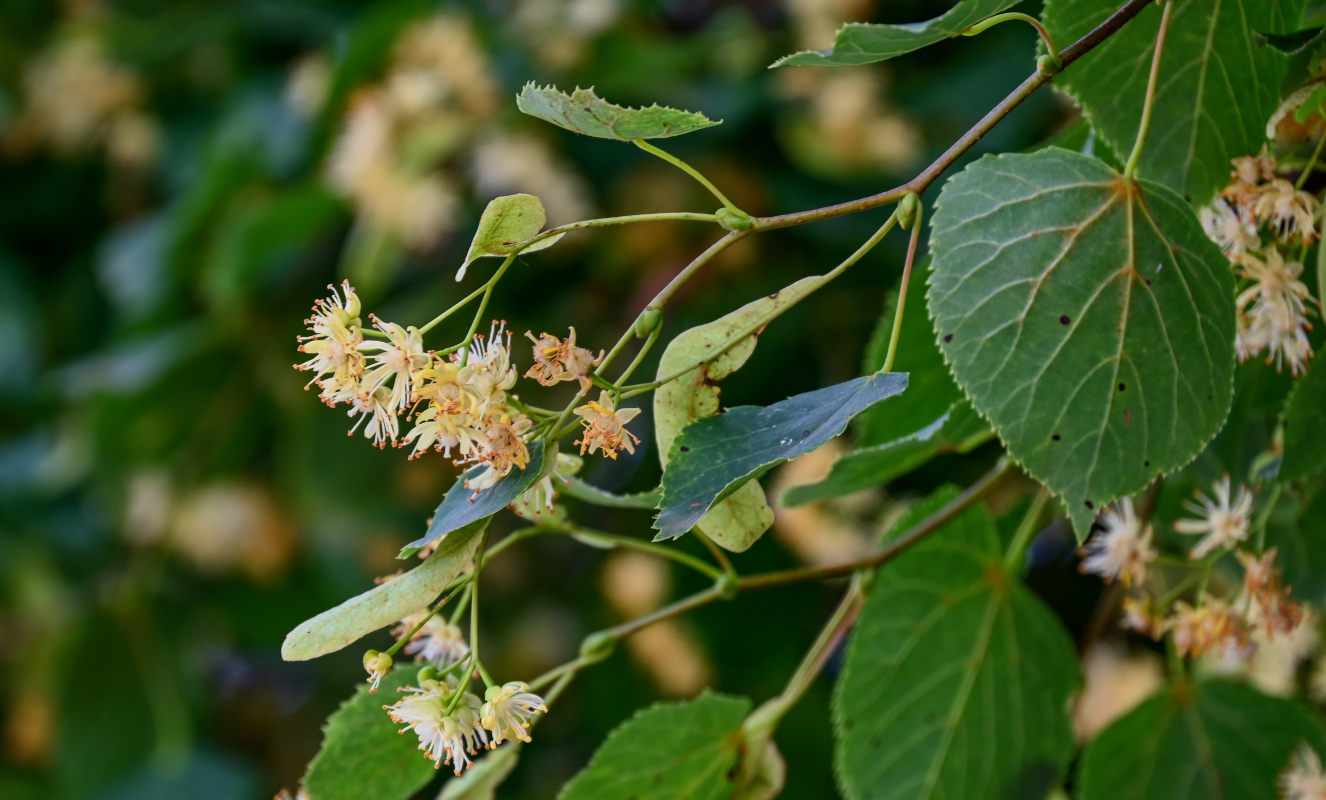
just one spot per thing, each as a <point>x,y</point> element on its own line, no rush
<point>1086,316</point>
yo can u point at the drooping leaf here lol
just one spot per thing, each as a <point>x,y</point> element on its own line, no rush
<point>362,754</point>
<point>957,678</point>
<point>1215,740</point>
<point>868,467</point>
<point>930,387</point>
<point>582,111</point>
<point>866,43</point>
<point>386,603</point>
<point>667,751</point>
<point>714,455</point>
<point>1305,426</point>
<point>457,509</point>
<point>1219,83</point>
<point>480,782</point>
<point>592,494</point>
<point>506,222</point>
<point>708,353</point>
<point>1087,317</point>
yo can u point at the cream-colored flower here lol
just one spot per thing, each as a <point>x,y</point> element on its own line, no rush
<point>378,666</point>
<point>444,738</point>
<point>336,334</point>
<point>508,710</point>
<point>557,360</point>
<point>488,371</point>
<point>383,426</point>
<point>1210,628</point>
<point>1303,778</point>
<point>1140,616</point>
<point>1290,211</point>
<point>393,364</point>
<point>1267,601</point>
<point>605,427</point>
<point>1121,549</point>
<point>1273,312</point>
<point>1228,228</point>
<point>438,642</point>
<point>1224,520</point>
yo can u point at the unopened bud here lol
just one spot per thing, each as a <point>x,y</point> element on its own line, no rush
<point>733,219</point>
<point>597,646</point>
<point>907,209</point>
<point>648,320</point>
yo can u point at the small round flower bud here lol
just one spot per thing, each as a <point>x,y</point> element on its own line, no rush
<point>1048,64</point>
<point>377,665</point>
<point>907,209</point>
<point>648,320</point>
<point>733,219</point>
<point>727,585</point>
<point>598,646</point>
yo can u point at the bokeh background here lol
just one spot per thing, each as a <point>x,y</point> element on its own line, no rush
<point>180,180</point>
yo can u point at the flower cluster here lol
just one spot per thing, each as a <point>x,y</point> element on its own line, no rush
<point>452,728</point>
<point>1224,627</point>
<point>1303,778</point>
<point>1274,306</point>
<point>437,642</point>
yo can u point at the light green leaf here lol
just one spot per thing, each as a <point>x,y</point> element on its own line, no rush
<point>387,603</point>
<point>505,223</point>
<point>667,751</point>
<point>480,781</point>
<point>582,111</point>
<point>1087,317</point>
<point>1209,741</point>
<point>712,352</point>
<point>460,507</point>
<point>1219,83</point>
<point>866,43</point>
<point>362,754</point>
<point>957,678</point>
<point>714,455</point>
<point>1305,425</point>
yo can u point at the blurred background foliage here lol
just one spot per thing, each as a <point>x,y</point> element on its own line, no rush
<point>181,180</point>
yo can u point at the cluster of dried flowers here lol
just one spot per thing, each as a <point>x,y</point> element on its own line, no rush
<point>1256,217</point>
<point>1123,550</point>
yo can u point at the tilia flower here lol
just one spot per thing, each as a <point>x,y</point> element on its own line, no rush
<point>438,642</point>
<point>1288,210</point>
<point>605,427</point>
<point>334,345</point>
<point>508,710</point>
<point>1211,627</point>
<point>444,738</point>
<point>1303,778</point>
<point>1122,548</point>
<point>558,360</point>
<point>1267,600</point>
<point>1273,312</point>
<point>1223,521</point>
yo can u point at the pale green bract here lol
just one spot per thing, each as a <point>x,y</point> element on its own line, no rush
<point>1087,317</point>
<point>506,222</point>
<point>866,43</point>
<point>582,111</point>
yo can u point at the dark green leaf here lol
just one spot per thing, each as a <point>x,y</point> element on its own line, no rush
<point>386,603</point>
<point>1087,317</point>
<point>1208,741</point>
<point>667,751</point>
<point>1297,529</point>
<point>957,678</point>
<point>866,43</point>
<point>1218,83</point>
<point>868,467</point>
<point>480,782</point>
<point>506,222</point>
<point>582,111</point>
<point>458,510</point>
<point>362,754</point>
<point>930,387</point>
<point>714,455</point>
<point>1305,426</point>
<point>703,356</point>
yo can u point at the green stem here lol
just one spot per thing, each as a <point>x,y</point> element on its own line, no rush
<point>457,307</point>
<point>391,651</point>
<point>1312,163</point>
<point>965,142</point>
<point>682,606</point>
<point>1027,529</point>
<point>1149,101</point>
<point>602,222</point>
<point>483,306</point>
<point>1050,49</point>
<point>639,356</point>
<point>740,335</point>
<point>844,616</point>
<point>718,555</point>
<point>1264,516</point>
<point>687,168</point>
<point>671,553</point>
<point>569,668</point>
<point>902,290</point>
